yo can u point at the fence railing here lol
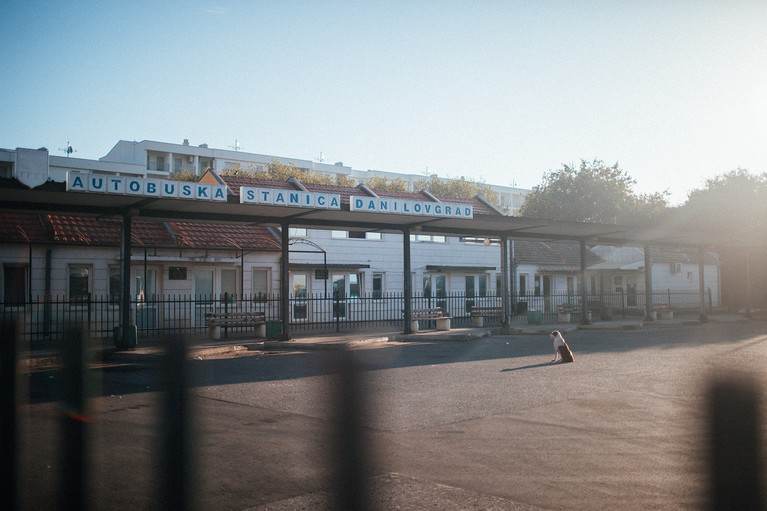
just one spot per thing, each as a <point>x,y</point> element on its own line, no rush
<point>44,319</point>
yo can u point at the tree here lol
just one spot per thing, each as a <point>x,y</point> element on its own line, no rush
<point>731,205</point>
<point>457,188</point>
<point>592,192</point>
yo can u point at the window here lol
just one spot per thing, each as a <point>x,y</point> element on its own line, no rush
<point>260,283</point>
<point>523,285</point>
<point>14,285</point>
<point>228,284</point>
<point>296,232</point>
<point>300,288</point>
<point>203,284</point>
<point>377,285</point>
<point>537,284</point>
<point>570,286</point>
<point>482,285</point>
<point>115,284</point>
<point>79,283</point>
<point>498,284</point>
<point>356,235</point>
<point>428,238</point>
<point>470,288</point>
<point>355,286</point>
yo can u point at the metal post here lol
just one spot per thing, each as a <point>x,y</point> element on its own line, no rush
<point>701,284</point>
<point>505,298</point>
<point>125,313</point>
<point>647,284</point>
<point>406,275</point>
<point>285,282</point>
<point>584,291</point>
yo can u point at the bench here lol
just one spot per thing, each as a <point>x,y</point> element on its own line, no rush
<point>431,314</point>
<point>478,315</point>
<point>661,311</point>
<point>215,320</point>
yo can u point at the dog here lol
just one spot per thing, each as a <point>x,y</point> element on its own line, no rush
<point>561,349</point>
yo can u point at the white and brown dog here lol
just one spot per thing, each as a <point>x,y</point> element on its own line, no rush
<point>561,349</point>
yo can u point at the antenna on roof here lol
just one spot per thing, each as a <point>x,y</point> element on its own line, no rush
<point>236,145</point>
<point>321,158</point>
<point>68,150</point>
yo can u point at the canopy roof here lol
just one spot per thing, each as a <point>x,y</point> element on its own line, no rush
<point>487,221</point>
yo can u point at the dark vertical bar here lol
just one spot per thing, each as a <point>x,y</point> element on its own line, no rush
<point>584,291</point>
<point>8,419</point>
<point>175,466</point>
<point>734,422</point>
<point>74,419</point>
<point>353,463</point>
<point>406,285</point>
<point>647,284</point>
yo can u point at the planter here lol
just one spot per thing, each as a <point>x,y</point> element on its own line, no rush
<point>534,317</point>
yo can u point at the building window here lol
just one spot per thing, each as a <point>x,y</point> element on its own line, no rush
<point>115,284</point>
<point>482,285</point>
<point>228,284</point>
<point>79,283</point>
<point>427,238</point>
<point>570,286</point>
<point>355,235</point>
<point>14,285</point>
<point>296,232</point>
<point>523,285</point>
<point>260,283</point>
<point>537,286</point>
<point>377,286</point>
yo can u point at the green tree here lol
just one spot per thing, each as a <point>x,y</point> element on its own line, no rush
<point>731,205</point>
<point>384,184</point>
<point>592,192</point>
<point>458,188</point>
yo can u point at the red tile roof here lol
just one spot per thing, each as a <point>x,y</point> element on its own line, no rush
<point>105,232</point>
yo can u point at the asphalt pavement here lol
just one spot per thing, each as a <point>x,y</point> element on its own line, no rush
<point>471,419</point>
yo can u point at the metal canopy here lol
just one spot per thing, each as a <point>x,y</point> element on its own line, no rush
<point>53,198</point>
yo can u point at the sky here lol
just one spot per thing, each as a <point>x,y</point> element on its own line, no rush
<point>503,92</point>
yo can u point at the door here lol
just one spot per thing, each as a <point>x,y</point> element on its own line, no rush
<point>300,299</point>
<point>147,305</point>
<point>203,295</point>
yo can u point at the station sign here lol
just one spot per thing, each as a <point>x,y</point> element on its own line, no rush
<point>291,198</point>
<point>146,187</point>
<point>410,207</point>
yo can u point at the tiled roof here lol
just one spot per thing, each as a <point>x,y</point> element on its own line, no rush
<point>540,252</point>
<point>105,232</point>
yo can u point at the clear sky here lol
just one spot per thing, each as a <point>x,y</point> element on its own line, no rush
<point>500,91</point>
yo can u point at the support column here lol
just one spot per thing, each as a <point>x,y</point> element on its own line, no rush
<point>702,284</point>
<point>648,303</point>
<point>406,285</point>
<point>505,296</point>
<point>285,282</point>
<point>584,290</point>
<point>125,312</point>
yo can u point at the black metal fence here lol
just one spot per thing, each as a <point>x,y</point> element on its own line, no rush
<point>44,319</point>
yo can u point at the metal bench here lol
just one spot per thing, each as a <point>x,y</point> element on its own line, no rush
<point>215,320</point>
<point>478,315</point>
<point>433,314</point>
<point>565,311</point>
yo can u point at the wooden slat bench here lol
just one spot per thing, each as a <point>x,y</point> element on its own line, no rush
<point>478,315</point>
<point>215,320</point>
<point>430,314</point>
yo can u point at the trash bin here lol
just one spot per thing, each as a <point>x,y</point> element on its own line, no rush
<point>273,329</point>
<point>132,338</point>
<point>534,317</point>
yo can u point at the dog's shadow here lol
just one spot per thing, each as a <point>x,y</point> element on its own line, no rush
<point>531,366</point>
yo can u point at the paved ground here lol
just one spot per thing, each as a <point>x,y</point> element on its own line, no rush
<point>466,423</point>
